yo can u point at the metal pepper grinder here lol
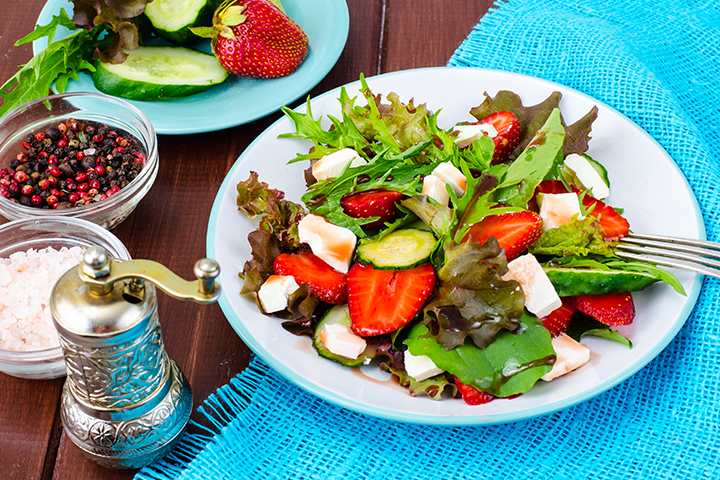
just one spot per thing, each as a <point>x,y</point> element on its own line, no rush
<point>125,402</point>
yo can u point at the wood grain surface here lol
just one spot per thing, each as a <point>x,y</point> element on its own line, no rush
<point>170,224</point>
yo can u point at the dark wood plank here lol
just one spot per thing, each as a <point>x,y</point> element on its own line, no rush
<point>27,407</point>
<point>426,33</point>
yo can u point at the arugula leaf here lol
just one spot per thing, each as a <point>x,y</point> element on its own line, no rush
<point>56,64</point>
<point>510,365</point>
<point>385,172</point>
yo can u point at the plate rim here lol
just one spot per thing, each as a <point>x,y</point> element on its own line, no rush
<point>445,420</point>
<point>338,26</point>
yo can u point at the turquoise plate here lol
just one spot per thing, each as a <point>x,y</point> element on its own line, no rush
<point>239,100</point>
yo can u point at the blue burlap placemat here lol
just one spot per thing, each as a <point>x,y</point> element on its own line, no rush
<point>659,64</point>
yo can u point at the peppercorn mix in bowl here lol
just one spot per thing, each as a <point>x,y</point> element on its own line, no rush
<point>82,155</point>
<point>34,253</point>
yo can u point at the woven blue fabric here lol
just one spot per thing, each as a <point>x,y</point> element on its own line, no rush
<point>659,64</point>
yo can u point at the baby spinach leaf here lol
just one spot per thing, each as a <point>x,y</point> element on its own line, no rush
<point>510,365</point>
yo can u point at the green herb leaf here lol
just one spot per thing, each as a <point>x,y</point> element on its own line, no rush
<point>582,325</point>
<point>580,237</point>
<point>510,365</point>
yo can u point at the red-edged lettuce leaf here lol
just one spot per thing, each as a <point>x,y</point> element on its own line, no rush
<point>533,117</point>
<point>508,366</point>
<point>471,299</point>
<point>434,387</point>
<point>277,230</point>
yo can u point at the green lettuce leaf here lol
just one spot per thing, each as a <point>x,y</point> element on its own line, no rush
<point>580,237</point>
<point>541,159</point>
<point>510,365</point>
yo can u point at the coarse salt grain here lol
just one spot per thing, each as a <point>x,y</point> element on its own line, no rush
<point>26,281</point>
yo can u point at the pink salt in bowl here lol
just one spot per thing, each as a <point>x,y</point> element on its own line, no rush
<point>45,359</point>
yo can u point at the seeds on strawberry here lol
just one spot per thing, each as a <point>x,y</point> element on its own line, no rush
<point>382,301</point>
<point>372,203</point>
<point>508,134</point>
<point>326,283</point>
<point>254,38</point>
<point>611,309</point>
<point>558,320</point>
<point>515,231</point>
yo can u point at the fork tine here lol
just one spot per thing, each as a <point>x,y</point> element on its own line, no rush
<point>686,254</point>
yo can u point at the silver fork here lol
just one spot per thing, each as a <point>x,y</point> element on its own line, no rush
<point>682,253</point>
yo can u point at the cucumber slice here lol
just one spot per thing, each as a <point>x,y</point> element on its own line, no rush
<point>173,19</point>
<point>152,73</point>
<point>588,281</point>
<point>399,250</point>
<point>340,315</point>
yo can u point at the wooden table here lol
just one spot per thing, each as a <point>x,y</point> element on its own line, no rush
<point>169,225</point>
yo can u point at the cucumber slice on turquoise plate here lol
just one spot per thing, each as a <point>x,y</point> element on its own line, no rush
<point>152,73</point>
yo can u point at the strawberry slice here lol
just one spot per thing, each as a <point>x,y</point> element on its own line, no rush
<point>558,320</point>
<point>508,134</point>
<point>472,395</point>
<point>381,301</point>
<point>614,225</point>
<point>326,283</point>
<point>611,309</point>
<point>515,231</point>
<point>372,203</point>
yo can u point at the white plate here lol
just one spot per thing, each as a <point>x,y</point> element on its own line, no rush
<point>645,182</point>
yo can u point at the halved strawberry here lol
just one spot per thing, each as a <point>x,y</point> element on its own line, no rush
<point>372,203</point>
<point>381,301</point>
<point>614,225</point>
<point>611,309</point>
<point>325,282</point>
<point>508,134</point>
<point>515,231</point>
<point>472,395</point>
<point>611,221</point>
<point>558,320</point>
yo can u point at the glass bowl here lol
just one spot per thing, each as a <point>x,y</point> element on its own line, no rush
<point>37,116</point>
<point>38,233</point>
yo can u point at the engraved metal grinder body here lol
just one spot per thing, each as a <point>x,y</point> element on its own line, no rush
<point>125,402</point>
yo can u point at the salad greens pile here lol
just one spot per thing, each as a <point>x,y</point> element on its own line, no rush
<point>475,325</point>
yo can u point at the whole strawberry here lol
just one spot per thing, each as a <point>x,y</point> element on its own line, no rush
<point>255,38</point>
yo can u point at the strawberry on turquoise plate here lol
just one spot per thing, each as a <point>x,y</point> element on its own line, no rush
<point>238,100</point>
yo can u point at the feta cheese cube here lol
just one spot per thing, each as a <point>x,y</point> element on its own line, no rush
<point>469,133</point>
<point>420,367</point>
<point>540,295</point>
<point>434,188</point>
<point>332,165</point>
<point>341,341</point>
<point>276,290</point>
<point>558,209</point>
<point>570,356</point>
<point>449,173</point>
<point>333,244</point>
<point>580,168</point>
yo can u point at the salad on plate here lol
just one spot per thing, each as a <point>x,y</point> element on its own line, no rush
<point>467,262</point>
